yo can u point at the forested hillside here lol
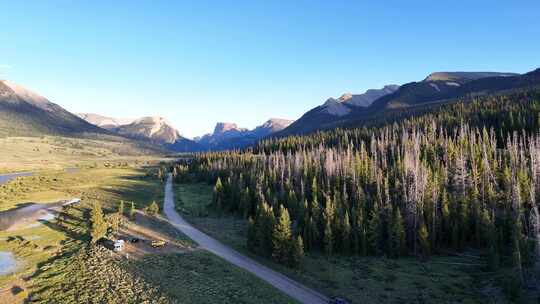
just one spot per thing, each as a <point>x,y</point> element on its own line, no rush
<point>463,175</point>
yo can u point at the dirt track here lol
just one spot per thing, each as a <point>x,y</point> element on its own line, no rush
<point>281,282</point>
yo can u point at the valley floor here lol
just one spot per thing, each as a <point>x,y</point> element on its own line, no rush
<point>55,264</point>
<point>23,154</point>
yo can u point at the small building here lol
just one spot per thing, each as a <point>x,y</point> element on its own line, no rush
<point>118,245</point>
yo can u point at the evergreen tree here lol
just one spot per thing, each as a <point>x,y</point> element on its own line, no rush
<point>346,234</point>
<point>265,222</point>
<point>397,235</point>
<point>152,209</point>
<point>98,227</point>
<point>252,235</point>
<point>218,194</point>
<point>329,213</point>
<point>282,237</point>
<point>375,231</point>
<point>297,253</point>
<point>132,211</point>
<point>328,238</point>
<point>423,239</point>
<point>121,208</point>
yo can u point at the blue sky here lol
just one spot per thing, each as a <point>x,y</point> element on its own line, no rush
<point>200,62</point>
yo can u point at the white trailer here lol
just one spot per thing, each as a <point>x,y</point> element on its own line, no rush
<point>72,201</point>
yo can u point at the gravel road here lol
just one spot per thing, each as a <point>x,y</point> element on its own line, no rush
<point>281,282</point>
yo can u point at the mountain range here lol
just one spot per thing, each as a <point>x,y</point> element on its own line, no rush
<point>160,131</point>
<point>230,136</point>
<point>26,113</point>
<point>436,87</point>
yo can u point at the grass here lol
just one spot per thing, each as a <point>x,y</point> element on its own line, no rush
<point>201,277</point>
<point>56,153</point>
<point>359,279</point>
<point>35,246</point>
<point>109,185</point>
<point>91,275</point>
<point>58,265</point>
<point>30,246</point>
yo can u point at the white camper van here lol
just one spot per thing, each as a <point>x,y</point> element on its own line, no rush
<point>118,245</point>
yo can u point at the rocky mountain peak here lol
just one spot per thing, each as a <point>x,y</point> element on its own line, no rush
<point>222,127</point>
<point>345,97</point>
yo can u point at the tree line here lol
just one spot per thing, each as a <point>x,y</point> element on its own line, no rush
<point>465,175</point>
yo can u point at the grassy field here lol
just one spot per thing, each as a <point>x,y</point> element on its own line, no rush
<point>441,279</point>
<point>55,153</point>
<point>109,185</point>
<point>201,277</point>
<point>33,245</point>
<point>56,264</point>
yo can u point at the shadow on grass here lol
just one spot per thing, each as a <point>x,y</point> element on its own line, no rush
<point>141,190</point>
<point>73,229</point>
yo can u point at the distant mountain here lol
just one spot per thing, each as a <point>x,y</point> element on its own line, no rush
<point>450,85</point>
<point>26,113</point>
<point>333,109</point>
<point>365,99</point>
<point>155,128</point>
<point>104,122</point>
<point>230,136</point>
<point>464,76</point>
<point>438,87</point>
<point>271,126</point>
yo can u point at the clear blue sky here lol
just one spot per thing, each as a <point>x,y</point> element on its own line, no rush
<point>200,62</point>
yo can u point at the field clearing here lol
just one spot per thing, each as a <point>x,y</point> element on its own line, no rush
<point>441,279</point>
<point>22,154</point>
<point>107,184</point>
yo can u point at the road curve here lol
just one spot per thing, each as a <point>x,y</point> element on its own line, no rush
<point>281,282</point>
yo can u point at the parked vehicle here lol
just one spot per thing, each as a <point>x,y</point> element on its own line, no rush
<point>134,240</point>
<point>119,245</point>
<point>158,244</point>
<point>338,301</point>
<point>71,202</point>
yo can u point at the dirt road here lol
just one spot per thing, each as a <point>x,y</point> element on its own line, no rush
<point>281,282</point>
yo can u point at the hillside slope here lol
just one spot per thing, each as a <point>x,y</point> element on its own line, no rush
<point>25,113</point>
<point>438,87</point>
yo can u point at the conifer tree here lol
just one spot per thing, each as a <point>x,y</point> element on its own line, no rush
<point>346,234</point>
<point>265,222</point>
<point>397,235</point>
<point>121,208</point>
<point>218,194</point>
<point>328,237</point>
<point>375,231</point>
<point>132,211</point>
<point>98,227</point>
<point>152,209</point>
<point>282,237</point>
<point>252,235</point>
<point>297,253</point>
<point>423,239</point>
<point>329,213</point>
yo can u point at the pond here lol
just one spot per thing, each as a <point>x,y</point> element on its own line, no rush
<point>4,178</point>
<point>8,263</point>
